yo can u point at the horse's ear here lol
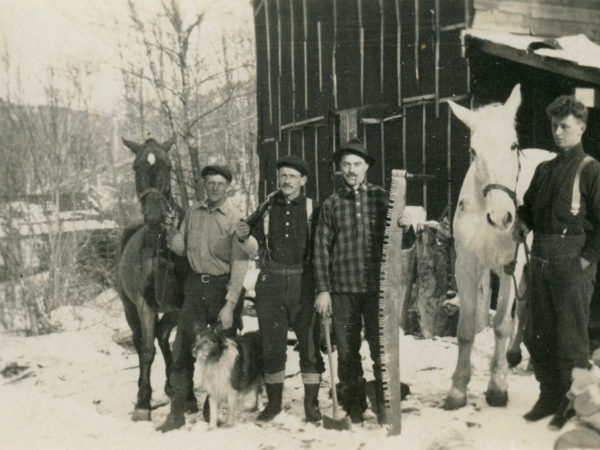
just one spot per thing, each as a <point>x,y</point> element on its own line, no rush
<point>131,145</point>
<point>168,143</point>
<point>514,101</point>
<point>465,115</point>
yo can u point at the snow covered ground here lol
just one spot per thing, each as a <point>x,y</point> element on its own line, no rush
<point>76,389</point>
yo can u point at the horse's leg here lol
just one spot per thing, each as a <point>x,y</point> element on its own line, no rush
<point>468,285</point>
<point>146,356</point>
<point>163,331</point>
<point>496,394</point>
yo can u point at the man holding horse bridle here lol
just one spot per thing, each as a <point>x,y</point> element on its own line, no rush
<point>218,247</point>
<point>562,207</point>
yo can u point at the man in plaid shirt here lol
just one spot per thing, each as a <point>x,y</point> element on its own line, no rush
<point>347,259</point>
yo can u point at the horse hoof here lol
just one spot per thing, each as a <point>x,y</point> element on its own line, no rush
<point>140,415</point>
<point>453,403</point>
<point>514,358</point>
<point>496,398</point>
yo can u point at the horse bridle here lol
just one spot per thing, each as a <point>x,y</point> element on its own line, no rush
<point>162,196</point>
<point>512,194</point>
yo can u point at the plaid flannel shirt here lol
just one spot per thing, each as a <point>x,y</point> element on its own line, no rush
<point>349,240</point>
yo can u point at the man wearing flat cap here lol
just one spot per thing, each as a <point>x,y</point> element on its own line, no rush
<point>347,258</point>
<point>218,247</point>
<point>285,289</point>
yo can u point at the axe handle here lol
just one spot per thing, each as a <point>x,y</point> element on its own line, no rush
<point>327,325</point>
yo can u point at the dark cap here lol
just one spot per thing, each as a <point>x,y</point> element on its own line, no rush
<point>217,170</point>
<point>356,147</point>
<point>294,162</point>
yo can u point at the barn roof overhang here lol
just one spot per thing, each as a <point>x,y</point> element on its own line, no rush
<point>578,63</point>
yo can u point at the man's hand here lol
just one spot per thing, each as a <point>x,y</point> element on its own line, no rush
<point>323,304</point>
<point>584,263</point>
<point>520,231</point>
<point>404,221</point>
<point>226,315</point>
<point>242,230</point>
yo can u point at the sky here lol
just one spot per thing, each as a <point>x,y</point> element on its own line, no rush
<point>39,34</point>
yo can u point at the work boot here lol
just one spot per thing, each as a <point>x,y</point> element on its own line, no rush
<point>175,419</point>
<point>545,406</point>
<point>274,394</point>
<point>353,400</point>
<point>563,413</point>
<point>311,403</point>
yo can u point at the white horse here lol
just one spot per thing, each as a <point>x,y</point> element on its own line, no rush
<point>494,185</point>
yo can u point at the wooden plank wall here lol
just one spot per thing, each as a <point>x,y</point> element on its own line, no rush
<point>539,17</point>
<point>391,63</point>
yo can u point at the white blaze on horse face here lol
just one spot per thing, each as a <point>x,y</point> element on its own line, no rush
<point>151,158</point>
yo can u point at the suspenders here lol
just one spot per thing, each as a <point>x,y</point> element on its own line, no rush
<point>576,199</point>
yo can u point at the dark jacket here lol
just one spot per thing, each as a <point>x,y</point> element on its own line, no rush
<point>547,203</point>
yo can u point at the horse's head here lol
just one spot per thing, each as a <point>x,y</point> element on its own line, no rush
<point>495,156</point>
<point>152,178</point>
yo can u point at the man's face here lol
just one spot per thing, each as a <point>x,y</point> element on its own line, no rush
<point>567,131</point>
<point>354,169</point>
<point>290,181</point>
<point>216,189</point>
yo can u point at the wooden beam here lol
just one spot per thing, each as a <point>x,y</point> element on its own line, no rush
<point>268,30</point>
<point>559,66</point>
<point>437,12</point>
<point>301,123</point>
<point>398,52</point>
<point>381,45</point>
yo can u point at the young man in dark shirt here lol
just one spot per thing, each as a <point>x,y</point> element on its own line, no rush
<point>285,289</point>
<point>562,207</point>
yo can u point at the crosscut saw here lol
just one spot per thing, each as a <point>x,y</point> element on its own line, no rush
<point>393,289</point>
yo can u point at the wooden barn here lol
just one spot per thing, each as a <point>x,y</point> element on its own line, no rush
<point>382,70</point>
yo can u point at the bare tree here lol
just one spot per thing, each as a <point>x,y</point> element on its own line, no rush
<point>191,94</point>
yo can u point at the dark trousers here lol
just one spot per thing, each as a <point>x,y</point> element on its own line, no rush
<point>556,334</point>
<point>284,299</point>
<point>204,296</point>
<point>349,312</point>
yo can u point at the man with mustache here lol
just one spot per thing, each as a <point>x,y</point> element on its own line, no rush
<point>562,207</point>
<point>285,289</point>
<point>347,260</point>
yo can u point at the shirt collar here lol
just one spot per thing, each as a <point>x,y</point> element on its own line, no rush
<point>573,152</point>
<point>281,200</point>
<point>348,192</point>
<point>223,208</point>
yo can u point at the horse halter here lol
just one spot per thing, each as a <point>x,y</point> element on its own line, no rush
<point>512,194</point>
<point>162,196</point>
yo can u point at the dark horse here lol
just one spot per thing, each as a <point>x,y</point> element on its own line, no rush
<point>149,277</point>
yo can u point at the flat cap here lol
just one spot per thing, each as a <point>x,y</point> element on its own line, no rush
<point>217,170</point>
<point>356,147</point>
<point>294,162</point>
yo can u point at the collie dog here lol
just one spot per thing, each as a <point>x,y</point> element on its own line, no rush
<point>225,367</point>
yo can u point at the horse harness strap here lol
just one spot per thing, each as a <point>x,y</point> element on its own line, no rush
<point>500,187</point>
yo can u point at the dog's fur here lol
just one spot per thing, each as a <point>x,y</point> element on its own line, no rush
<point>226,367</point>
